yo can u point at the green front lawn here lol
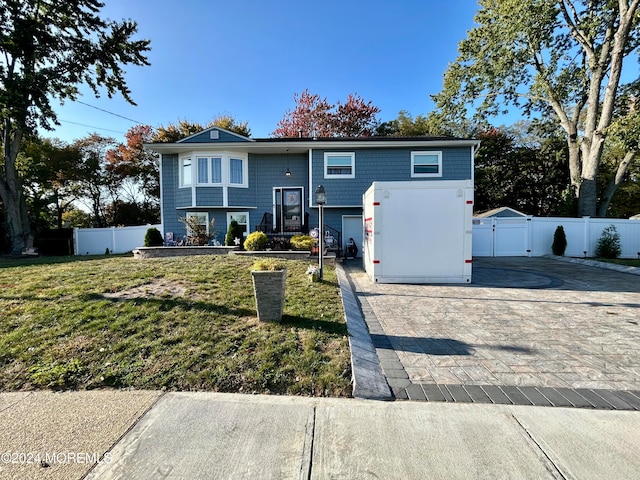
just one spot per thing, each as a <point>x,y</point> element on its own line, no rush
<point>631,262</point>
<point>186,323</point>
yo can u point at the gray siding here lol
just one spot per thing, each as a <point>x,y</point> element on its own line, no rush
<point>183,197</point>
<point>169,191</point>
<point>241,197</point>
<point>220,225</point>
<point>386,165</point>
<point>209,196</point>
<point>205,137</point>
<point>267,172</point>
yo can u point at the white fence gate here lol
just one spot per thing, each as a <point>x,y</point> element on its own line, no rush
<point>96,241</point>
<point>533,236</point>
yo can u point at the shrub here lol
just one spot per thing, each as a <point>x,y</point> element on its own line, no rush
<point>302,242</point>
<point>279,243</point>
<point>153,238</point>
<point>256,241</point>
<point>559,241</point>
<point>268,264</point>
<point>609,243</point>
<point>197,232</point>
<point>234,231</point>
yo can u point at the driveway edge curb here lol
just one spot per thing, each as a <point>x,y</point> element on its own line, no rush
<point>369,382</point>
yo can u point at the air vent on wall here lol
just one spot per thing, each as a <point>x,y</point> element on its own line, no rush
<point>214,134</point>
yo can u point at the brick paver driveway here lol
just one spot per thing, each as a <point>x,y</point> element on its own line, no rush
<point>524,322</point>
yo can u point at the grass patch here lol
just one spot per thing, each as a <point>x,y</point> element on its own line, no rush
<point>184,323</point>
<point>631,262</point>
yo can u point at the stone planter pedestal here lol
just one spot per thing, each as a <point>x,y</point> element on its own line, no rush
<point>269,289</point>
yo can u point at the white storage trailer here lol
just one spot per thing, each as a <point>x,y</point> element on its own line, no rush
<point>418,231</point>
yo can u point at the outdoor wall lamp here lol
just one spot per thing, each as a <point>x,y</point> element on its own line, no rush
<point>321,199</point>
<point>288,172</point>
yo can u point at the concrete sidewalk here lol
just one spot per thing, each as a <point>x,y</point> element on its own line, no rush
<point>212,435</point>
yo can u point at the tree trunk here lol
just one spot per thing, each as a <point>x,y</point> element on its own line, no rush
<point>574,162</point>
<point>591,150</point>
<point>615,182</point>
<point>12,195</point>
<point>18,222</point>
<point>59,212</point>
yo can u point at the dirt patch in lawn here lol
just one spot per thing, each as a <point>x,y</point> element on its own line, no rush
<point>156,288</point>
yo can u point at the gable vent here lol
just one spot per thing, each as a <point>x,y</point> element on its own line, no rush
<point>214,134</point>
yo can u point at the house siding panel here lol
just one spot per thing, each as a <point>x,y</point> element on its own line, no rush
<point>386,165</point>
<point>169,191</point>
<point>209,196</point>
<point>183,197</point>
<point>241,197</point>
<point>333,217</point>
<point>205,137</point>
<point>267,172</point>
<point>219,225</point>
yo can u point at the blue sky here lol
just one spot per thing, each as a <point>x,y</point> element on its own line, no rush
<point>247,58</point>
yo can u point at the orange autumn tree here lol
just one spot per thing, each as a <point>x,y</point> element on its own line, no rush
<point>313,116</point>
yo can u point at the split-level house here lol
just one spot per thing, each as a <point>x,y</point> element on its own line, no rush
<point>268,184</point>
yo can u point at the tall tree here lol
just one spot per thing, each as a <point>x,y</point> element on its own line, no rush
<point>228,122</point>
<point>50,170</point>
<point>48,48</point>
<point>405,126</point>
<point>176,131</point>
<point>623,146</point>
<point>133,164</point>
<point>185,128</point>
<point>313,116</point>
<point>355,118</point>
<point>529,178</point>
<point>557,57</point>
<point>97,184</point>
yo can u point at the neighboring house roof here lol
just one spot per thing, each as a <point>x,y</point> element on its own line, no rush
<point>204,141</point>
<point>500,212</point>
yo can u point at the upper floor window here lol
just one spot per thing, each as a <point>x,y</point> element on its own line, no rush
<point>339,165</point>
<point>185,172</point>
<point>426,164</point>
<point>236,175</point>
<point>209,170</point>
<point>216,169</point>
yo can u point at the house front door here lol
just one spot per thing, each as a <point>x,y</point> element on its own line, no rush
<point>289,209</point>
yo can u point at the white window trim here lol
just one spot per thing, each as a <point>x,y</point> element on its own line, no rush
<point>225,169</point>
<point>210,183</point>
<point>198,214</point>
<point>425,175</point>
<point>328,155</point>
<point>245,173</point>
<point>181,160</point>
<point>232,214</point>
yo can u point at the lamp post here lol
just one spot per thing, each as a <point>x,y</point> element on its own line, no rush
<point>321,199</point>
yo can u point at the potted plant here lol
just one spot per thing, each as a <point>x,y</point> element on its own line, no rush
<point>269,281</point>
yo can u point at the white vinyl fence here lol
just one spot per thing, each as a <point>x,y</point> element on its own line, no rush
<point>95,241</point>
<point>533,236</point>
